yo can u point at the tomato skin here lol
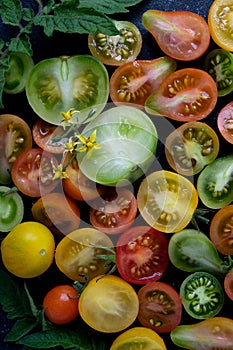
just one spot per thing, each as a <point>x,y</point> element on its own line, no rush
<point>58,212</point>
<point>61,304</point>
<point>210,334</point>
<point>160,307</point>
<point>221,230</point>
<point>32,172</point>
<point>225,121</point>
<point>228,284</point>
<point>114,211</point>
<point>186,95</point>
<point>182,35</point>
<point>142,254</point>
<point>133,82</point>
<point>108,304</point>
<point>15,138</point>
<point>119,49</point>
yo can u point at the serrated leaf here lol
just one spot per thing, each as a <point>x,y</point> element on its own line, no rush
<point>20,329</point>
<point>109,7</point>
<point>49,6</point>
<point>59,337</point>
<point>21,44</point>
<point>83,21</point>
<point>2,44</point>
<point>27,14</point>
<point>11,12</point>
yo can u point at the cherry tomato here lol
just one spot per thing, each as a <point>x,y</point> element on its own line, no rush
<point>139,338</point>
<point>167,201</point>
<point>76,185</point>
<point>221,230</point>
<point>20,66</point>
<point>61,304</point>
<point>160,307</point>
<point>188,94</point>
<point>133,82</point>
<point>108,304</point>
<point>225,122</point>
<point>57,84</point>
<point>214,183</point>
<point>32,172</point>
<point>58,212</point>
<point>15,137</point>
<point>114,211</point>
<point>118,49</point>
<point>78,254</point>
<point>219,64</point>
<point>202,295</point>
<point>213,333</point>
<point>182,35</point>
<point>190,147</point>
<point>12,208</point>
<point>228,284</point>
<point>142,254</point>
<point>44,134</point>
<point>219,21</point>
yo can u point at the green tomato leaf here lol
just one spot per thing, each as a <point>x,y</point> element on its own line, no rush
<point>82,21</point>
<point>21,44</point>
<point>20,329</point>
<point>11,12</point>
<point>57,337</point>
<point>27,14</point>
<point>109,7</point>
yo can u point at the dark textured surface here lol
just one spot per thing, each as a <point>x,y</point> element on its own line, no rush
<point>62,44</point>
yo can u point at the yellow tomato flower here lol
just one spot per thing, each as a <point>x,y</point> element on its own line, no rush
<point>58,172</point>
<point>88,143</point>
<point>68,117</point>
<point>70,146</point>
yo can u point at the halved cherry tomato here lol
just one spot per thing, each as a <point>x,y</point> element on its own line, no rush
<point>12,208</point>
<point>221,230</point>
<point>134,82</point>
<point>225,122</point>
<point>115,50</point>
<point>58,212</point>
<point>61,304</point>
<point>182,35</point>
<point>15,137</point>
<point>190,147</point>
<point>220,23</point>
<point>114,211</point>
<point>228,284</point>
<point>160,307</point>
<point>167,201</point>
<point>142,254</point>
<point>44,134</point>
<point>32,172</point>
<point>188,94</point>
<point>78,254</point>
<point>108,304</point>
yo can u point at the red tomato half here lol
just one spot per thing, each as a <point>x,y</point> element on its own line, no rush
<point>182,35</point>
<point>142,254</point>
<point>114,211</point>
<point>228,284</point>
<point>225,122</point>
<point>186,95</point>
<point>160,307</point>
<point>32,172</point>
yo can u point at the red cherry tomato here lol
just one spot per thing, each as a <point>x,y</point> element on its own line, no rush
<point>228,284</point>
<point>225,122</point>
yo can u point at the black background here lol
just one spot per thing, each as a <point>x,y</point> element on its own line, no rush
<point>70,44</point>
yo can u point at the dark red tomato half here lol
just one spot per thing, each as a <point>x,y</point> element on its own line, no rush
<point>48,136</point>
<point>114,211</point>
<point>142,254</point>
<point>160,307</point>
<point>228,284</point>
<point>32,172</point>
<point>225,122</point>
<point>221,230</point>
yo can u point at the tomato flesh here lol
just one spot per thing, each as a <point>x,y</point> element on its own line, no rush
<point>225,122</point>
<point>228,284</point>
<point>12,209</point>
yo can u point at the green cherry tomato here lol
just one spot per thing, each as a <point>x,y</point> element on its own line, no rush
<point>11,208</point>
<point>124,147</point>
<point>20,66</point>
<point>214,184</point>
<point>58,84</point>
<point>219,64</point>
<point>202,295</point>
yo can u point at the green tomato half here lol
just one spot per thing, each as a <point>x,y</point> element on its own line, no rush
<point>56,85</point>
<point>128,140</point>
<point>11,209</point>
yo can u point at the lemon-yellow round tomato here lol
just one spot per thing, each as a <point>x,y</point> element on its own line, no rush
<point>28,249</point>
